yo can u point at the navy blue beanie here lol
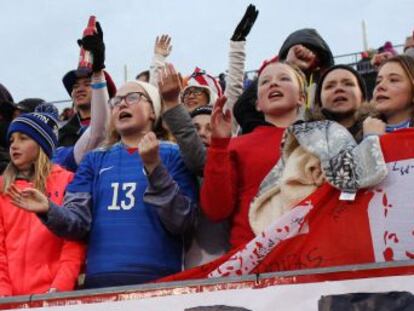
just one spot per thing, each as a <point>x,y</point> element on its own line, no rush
<point>41,127</point>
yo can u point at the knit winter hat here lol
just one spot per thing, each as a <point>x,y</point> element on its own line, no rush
<point>207,109</point>
<point>200,78</point>
<point>49,109</point>
<point>153,94</point>
<point>41,127</point>
<point>388,47</point>
<point>359,78</point>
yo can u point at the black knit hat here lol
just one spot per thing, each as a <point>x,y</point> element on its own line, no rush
<point>359,78</point>
<point>206,109</point>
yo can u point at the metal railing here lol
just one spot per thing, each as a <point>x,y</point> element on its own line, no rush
<point>352,59</point>
<point>258,280</point>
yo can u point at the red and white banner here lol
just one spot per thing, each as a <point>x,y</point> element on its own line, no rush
<point>324,231</point>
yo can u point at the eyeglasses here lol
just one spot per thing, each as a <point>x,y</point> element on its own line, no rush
<point>130,98</point>
<point>196,91</point>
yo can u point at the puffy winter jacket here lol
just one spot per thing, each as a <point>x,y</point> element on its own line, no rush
<point>32,258</point>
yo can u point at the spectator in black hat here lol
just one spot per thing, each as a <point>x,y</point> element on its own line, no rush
<point>201,120</point>
<point>87,128</point>
<point>27,105</point>
<point>79,87</point>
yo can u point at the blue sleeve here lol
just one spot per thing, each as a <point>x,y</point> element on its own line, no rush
<point>65,157</point>
<point>173,192</point>
<point>85,174</point>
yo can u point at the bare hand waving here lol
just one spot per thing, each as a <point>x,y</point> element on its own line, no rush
<point>29,199</point>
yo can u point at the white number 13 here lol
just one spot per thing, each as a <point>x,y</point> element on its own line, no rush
<point>129,201</point>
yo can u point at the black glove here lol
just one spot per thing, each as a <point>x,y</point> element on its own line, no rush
<point>94,44</point>
<point>246,24</point>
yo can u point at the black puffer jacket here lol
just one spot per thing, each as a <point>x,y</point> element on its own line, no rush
<point>70,132</point>
<point>311,39</point>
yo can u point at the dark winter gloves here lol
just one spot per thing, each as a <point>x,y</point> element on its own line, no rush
<point>94,43</point>
<point>246,24</point>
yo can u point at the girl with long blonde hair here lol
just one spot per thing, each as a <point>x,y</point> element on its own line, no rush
<point>32,259</point>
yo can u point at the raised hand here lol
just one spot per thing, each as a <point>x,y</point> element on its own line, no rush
<point>29,199</point>
<point>170,85</point>
<point>163,45</point>
<point>94,43</point>
<point>301,56</point>
<point>220,120</point>
<point>148,149</point>
<point>246,24</point>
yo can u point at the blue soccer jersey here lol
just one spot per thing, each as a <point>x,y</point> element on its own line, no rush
<point>65,157</point>
<point>127,234</point>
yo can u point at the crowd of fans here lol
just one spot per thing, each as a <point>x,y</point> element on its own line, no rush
<point>132,178</point>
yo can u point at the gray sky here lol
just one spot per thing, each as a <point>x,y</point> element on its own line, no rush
<point>39,37</point>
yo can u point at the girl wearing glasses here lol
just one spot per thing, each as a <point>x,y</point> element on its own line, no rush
<point>133,199</point>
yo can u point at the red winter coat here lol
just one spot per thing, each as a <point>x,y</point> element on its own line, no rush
<point>232,175</point>
<point>33,259</point>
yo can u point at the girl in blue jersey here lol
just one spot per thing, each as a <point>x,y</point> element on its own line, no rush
<point>133,199</point>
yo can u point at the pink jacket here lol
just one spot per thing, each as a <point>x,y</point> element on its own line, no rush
<point>33,259</point>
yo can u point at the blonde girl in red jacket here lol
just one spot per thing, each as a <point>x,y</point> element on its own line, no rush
<point>32,259</point>
<point>235,167</point>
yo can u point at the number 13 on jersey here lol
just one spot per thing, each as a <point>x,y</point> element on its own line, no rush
<point>129,202</point>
